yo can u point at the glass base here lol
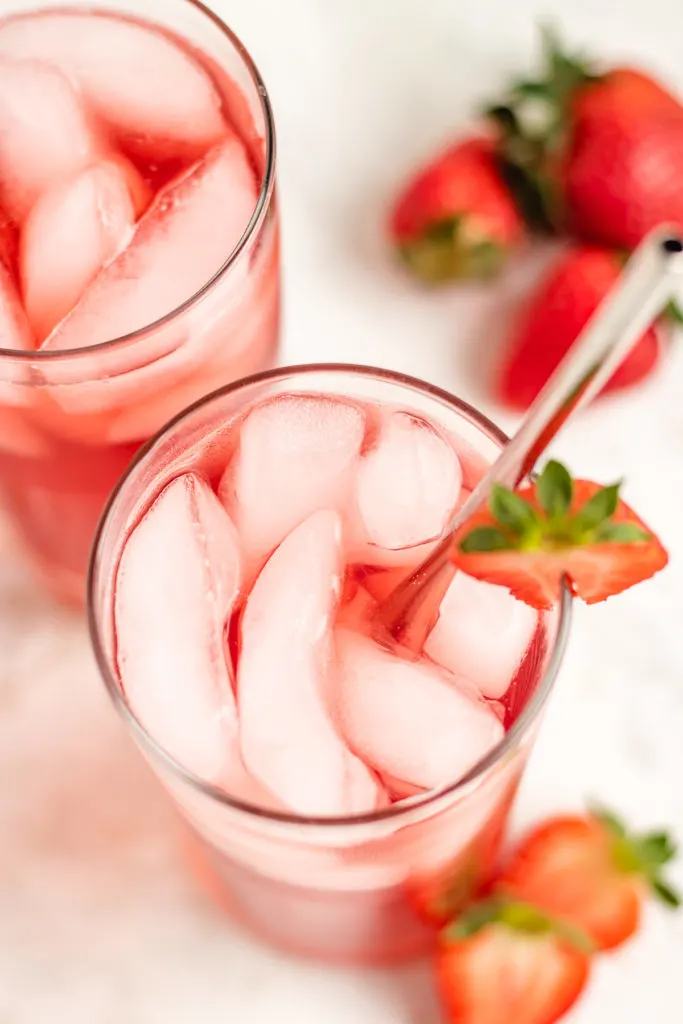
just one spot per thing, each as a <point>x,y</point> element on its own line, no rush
<point>344,929</point>
<point>372,927</point>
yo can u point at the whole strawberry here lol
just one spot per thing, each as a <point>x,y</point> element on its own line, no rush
<point>599,154</point>
<point>620,94</point>
<point>553,318</point>
<point>625,177</point>
<point>590,872</point>
<point>456,218</point>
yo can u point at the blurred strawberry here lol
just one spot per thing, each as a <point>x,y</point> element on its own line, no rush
<point>592,873</point>
<point>556,314</point>
<point>623,178</point>
<point>623,93</point>
<point>507,961</point>
<point>601,155</point>
<point>456,219</point>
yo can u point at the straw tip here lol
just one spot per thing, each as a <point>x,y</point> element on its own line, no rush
<point>672,245</point>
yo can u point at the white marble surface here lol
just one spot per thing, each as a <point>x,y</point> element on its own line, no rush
<point>98,922</point>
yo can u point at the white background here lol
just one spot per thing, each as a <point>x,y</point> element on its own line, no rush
<point>99,923</point>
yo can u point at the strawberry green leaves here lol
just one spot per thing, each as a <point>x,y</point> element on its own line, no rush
<point>555,489</point>
<point>485,538</point>
<point>445,250</point>
<point>550,522</point>
<point>517,916</point>
<point>533,123</point>
<point>513,512</point>
<point>674,313</point>
<point>642,855</point>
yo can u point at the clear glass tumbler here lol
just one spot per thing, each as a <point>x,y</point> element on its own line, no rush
<point>359,890</point>
<point>70,421</point>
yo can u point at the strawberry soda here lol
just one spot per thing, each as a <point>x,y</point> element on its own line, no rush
<point>339,799</point>
<point>139,261</point>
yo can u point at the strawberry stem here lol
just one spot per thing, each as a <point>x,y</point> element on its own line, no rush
<point>534,124</point>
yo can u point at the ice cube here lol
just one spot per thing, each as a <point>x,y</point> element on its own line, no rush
<point>400,790</point>
<point>44,131</point>
<point>14,327</point>
<point>177,582</point>
<point>74,229</point>
<point>410,721</point>
<point>289,741</point>
<point>408,486</point>
<point>139,190</point>
<point>182,241</point>
<point>144,85</point>
<point>482,633</point>
<point>297,454</point>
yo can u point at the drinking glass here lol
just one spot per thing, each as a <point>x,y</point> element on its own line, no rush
<point>356,890</point>
<point>70,421</point>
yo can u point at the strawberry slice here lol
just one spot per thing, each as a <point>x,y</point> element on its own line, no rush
<point>507,961</point>
<point>559,529</point>
<point>590,872</point>
<point>455,218</point>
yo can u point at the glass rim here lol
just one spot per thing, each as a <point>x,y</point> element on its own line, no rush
<point>494,756</point>
<point>258,215</point>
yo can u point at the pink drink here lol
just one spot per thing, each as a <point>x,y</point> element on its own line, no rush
<point>138,248</point>
<point>337,795</point>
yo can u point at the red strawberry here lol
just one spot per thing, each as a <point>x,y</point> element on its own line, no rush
<point>624,178</point>
<point>553,319</point>
<point>590,872</point>
<point>624,93</point>
<point>456,218</point>
<point>605,158</point>
<point>507,961</point>
<point>530,541</point>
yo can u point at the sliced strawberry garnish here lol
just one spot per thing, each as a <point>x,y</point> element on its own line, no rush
<point>588,871</point>
<point>559,529</point>
<point>507,961</point>
<point>455,218</point>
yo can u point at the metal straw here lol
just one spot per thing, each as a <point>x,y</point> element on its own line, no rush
<point>405,619</point>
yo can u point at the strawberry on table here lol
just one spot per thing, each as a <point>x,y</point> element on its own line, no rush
<point>531,540</point>
<point>598,153</point>
<point>456,219</point>
<point>590,872</point>
<point>507,961</point>
<point>555,315</point>
<point>622,93</point>
<point>623,179</point>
